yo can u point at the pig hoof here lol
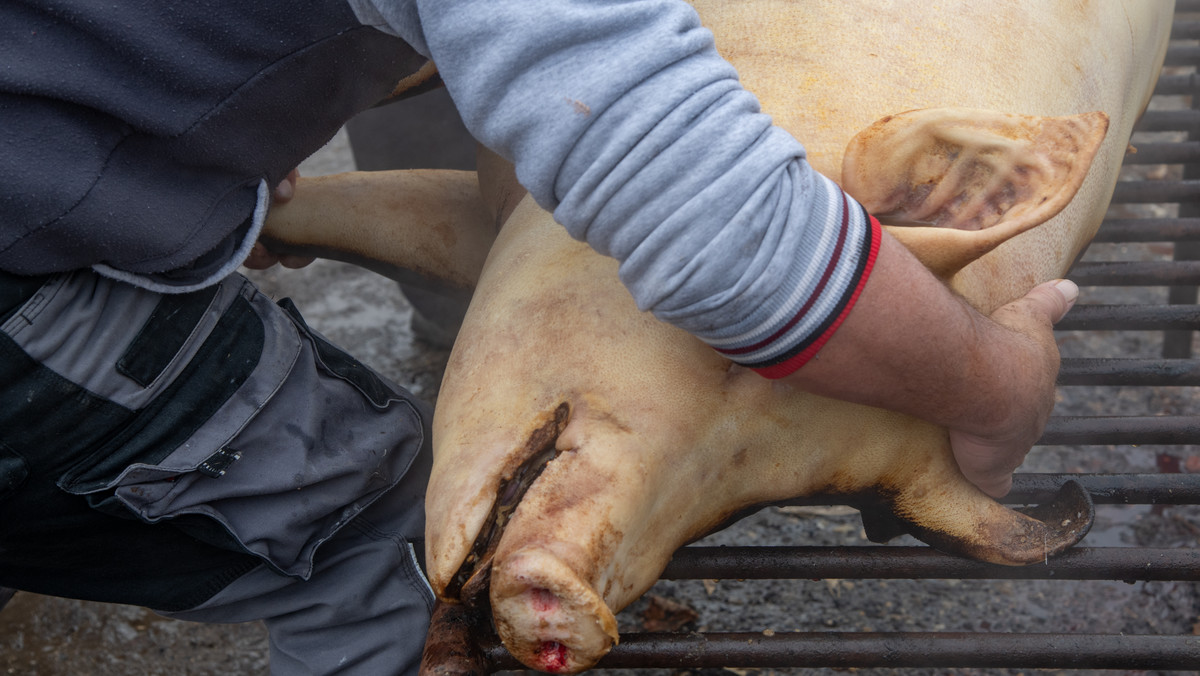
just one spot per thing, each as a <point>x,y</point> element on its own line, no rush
<point>1034,535</point>
<point>547,617</point>
<point>973,525</point>
<point>1068,517</point>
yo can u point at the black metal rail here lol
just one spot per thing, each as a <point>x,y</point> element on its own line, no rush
<point>848,650</point>
<point>900,563</point>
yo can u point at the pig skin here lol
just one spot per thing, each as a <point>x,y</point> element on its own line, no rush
<point>664,439</point>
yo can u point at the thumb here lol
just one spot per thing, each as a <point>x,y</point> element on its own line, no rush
<point>1052,299</point>
<point>287,187</point>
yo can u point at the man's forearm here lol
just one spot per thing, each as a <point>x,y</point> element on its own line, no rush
<point>909,344</point>
<point>913,346</point>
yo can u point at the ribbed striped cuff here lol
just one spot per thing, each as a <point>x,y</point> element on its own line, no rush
<point>794,337</point>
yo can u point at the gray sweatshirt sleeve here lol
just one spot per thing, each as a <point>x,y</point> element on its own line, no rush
<point>625,123</point>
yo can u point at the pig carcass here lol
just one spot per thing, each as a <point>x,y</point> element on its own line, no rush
<point>579,442</point>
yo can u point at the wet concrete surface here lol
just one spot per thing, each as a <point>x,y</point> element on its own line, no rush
<point>367,315</point>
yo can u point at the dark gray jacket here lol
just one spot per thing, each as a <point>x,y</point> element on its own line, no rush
<point>142,137</point>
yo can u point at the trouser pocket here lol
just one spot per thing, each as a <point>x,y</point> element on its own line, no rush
<point>331,437</point>
<point>51,541</point>
<point>260,442</point>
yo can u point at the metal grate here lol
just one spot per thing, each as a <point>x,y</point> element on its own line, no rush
<point>1177,318</point>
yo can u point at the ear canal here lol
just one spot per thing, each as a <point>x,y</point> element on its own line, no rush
<point>954,183</point>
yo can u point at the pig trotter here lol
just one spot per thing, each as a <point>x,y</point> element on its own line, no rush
<point>1065,519</point>
<point>975,526</point>
<point>453,646</point>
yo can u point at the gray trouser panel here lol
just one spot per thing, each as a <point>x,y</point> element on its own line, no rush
<point>365,609</point>
<point>209,456</point>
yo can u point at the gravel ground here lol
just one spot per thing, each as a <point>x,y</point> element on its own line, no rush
<point>366,314</point>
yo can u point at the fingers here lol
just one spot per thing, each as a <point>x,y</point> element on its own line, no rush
<point>260,258</point>
<point>287,187</point>
<point>987,458</point>
<point>985,463</point>
<point>1035,313</point>
<point>295,262</point>
<point>995,486</point>
<point>1051,300</point>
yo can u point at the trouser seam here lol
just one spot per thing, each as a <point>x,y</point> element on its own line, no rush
<point>405,548</point>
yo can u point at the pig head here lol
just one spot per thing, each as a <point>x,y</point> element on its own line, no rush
<point>578,442</point>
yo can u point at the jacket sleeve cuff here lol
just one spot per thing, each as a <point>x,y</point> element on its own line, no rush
<point>790,358</point>
<point>212,267</point>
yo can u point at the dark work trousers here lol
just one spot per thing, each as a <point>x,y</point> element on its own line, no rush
<point>210,457</point>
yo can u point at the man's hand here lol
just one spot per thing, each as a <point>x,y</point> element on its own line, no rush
<point>261,257</point>
<point>913,346</point>
<point>988,454</point>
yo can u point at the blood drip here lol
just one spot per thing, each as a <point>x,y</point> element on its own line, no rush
<point>552,657</point>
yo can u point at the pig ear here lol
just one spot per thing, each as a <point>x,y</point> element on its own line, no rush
<point>958,182</point>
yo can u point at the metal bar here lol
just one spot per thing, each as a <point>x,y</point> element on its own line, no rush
<point>1175,85</point>
<point>1135,273</point>
<point>1178,344</point>
<point>1109,489</point>
<point>1164,153</point>
<point>1169,120</point>
<point>892,650</point>
<point>1110,430</point>
<point>1182,55</point>
<point>1148,230</point>
<point>880,562</point>
<point>1185,30</point>
<point>1157,372</point>
<point>1143,192</point>
<point>1130,317</point>
<point>1030,488</point>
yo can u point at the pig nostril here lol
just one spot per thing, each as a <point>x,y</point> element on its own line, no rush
<point>543,600</point>
<point>552,656</point>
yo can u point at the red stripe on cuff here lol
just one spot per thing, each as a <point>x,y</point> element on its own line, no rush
<point>791,365</point>
<point>834,261</point>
